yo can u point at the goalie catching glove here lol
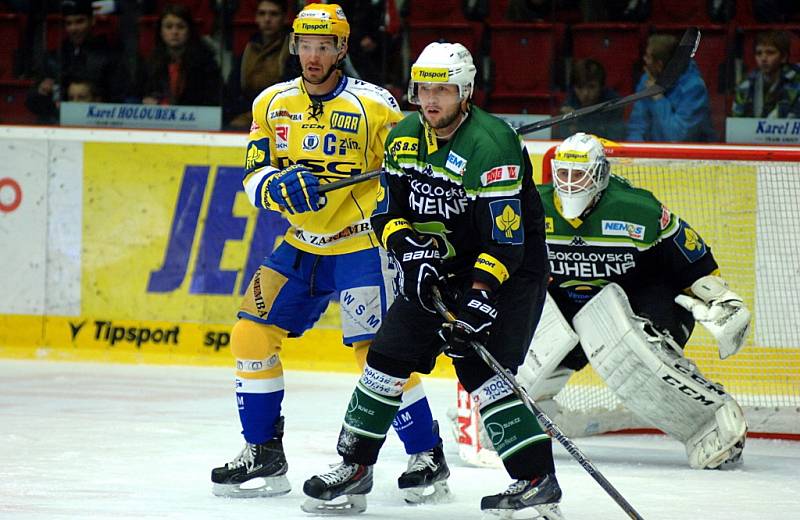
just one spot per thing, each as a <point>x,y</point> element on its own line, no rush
<point>296,189</point>
<point>719,310</point>
<point>474,318</point>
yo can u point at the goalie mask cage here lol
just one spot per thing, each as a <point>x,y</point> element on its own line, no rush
<point>745,203</point>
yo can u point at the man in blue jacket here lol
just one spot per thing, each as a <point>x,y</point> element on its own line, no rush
<point>682,113</point>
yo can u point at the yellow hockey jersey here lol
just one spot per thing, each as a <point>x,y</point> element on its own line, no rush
<point>335,136</point>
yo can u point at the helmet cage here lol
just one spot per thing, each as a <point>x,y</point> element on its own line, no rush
<point>579,183</point>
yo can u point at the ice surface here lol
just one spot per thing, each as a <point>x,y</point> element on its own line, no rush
<point>99,441</point>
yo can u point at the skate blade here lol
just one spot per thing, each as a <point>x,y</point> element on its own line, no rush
<point>539,512</point>
<point>256,487</point>
<point>351,505</point>
<point>437,493</point>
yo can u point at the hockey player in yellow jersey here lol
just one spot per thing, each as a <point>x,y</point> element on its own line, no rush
<point>315,129</point>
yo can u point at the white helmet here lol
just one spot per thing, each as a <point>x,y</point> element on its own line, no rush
<point>584,169</point>
<point>443,63</point>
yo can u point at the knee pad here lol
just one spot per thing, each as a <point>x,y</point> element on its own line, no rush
<point>255,347</point>
<point>360,350</point>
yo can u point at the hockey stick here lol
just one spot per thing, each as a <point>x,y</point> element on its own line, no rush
<point>543,419</point>
<point>355,179</point>
<point>672,71</point>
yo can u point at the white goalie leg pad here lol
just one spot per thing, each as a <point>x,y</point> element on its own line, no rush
<point>552,341</point>
<point>647,372</point>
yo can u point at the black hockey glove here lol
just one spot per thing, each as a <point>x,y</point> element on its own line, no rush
<point>475,315</point>
<point>419,259</point>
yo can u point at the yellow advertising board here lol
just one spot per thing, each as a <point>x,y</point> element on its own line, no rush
<point>168,245</point>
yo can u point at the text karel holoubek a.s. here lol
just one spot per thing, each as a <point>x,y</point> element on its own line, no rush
<point>139,112</point>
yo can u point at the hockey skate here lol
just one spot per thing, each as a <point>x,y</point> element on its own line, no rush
<point>348,480</point>
<point>425,480</point>
<point>258,471</point>
<point>526,499</point>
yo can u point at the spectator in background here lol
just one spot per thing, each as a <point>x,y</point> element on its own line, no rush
<point>262,64</point>
<point>181,69</point>
<point>81,54</point>
<point>773,88</point>
<point>588,88</point>
<point>683,112</point>
<point>83,90</point>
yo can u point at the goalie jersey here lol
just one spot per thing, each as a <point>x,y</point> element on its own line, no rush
<point>335,136</point>
<point>474,194</point>
<point>629,238</point>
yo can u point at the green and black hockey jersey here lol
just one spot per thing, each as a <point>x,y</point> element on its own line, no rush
<point>474,193</point>
<point>629,238</point>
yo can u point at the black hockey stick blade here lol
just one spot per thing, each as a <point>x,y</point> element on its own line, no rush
<point>672,71</point>
<point>679,62</point>
<point>355,179</point>
<point>549,426</point>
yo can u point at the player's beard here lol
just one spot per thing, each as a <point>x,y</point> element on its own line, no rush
<point>447,119</point>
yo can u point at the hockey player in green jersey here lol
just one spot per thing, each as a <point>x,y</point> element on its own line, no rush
<point>631,278</point>
<point>457,209</point>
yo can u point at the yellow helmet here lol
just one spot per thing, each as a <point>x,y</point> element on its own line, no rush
<point>321,20</point>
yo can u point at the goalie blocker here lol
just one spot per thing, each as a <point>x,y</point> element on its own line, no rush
<point>644,368</point>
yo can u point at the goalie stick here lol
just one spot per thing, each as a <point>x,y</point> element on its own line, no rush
<point>672,71</point>
<point>549,426</point>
